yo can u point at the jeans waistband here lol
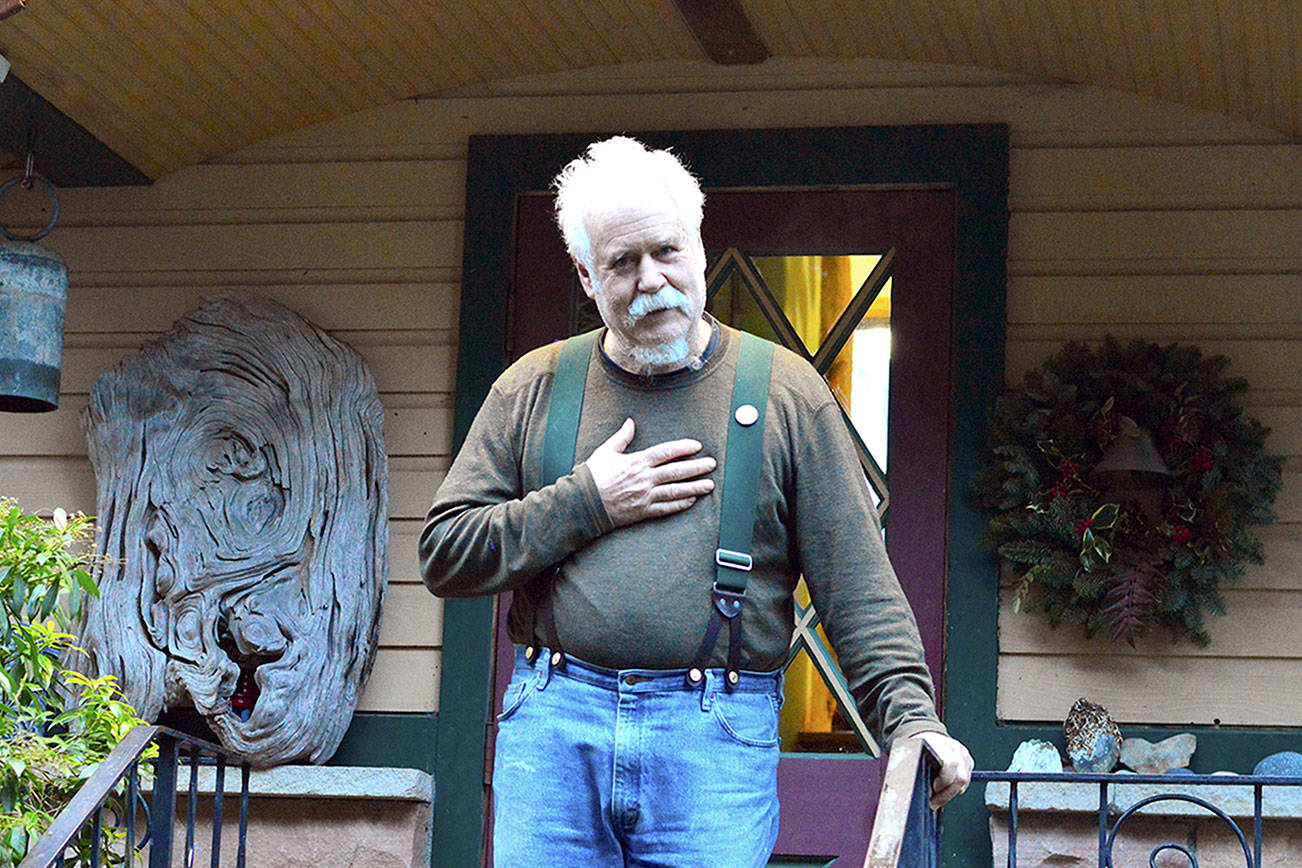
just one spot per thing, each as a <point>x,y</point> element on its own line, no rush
<point>648,680</point>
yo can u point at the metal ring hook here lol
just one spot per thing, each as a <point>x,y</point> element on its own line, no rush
<point>27,182</point>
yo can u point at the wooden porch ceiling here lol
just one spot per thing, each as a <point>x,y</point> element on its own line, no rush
<point>168,83</point>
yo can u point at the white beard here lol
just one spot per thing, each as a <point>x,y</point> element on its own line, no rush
<point>674,354</point>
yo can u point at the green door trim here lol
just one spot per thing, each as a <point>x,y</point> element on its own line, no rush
<point>970,159</point>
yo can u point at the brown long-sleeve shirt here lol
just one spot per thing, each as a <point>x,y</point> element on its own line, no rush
<point>639,596</point>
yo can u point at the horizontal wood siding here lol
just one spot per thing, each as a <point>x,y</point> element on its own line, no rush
<point>1128,218</point>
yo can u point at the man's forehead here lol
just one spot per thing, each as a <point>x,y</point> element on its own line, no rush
<point>632,221</point>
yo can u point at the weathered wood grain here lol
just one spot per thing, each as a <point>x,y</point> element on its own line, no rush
<point>242,501</point>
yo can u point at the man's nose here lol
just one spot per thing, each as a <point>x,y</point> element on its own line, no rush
<point>650,278</point>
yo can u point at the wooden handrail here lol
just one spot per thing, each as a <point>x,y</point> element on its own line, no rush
<point>904,798</point>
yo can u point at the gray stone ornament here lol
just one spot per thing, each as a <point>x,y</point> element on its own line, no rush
<point>1155,758</point>
<point>243,526</point>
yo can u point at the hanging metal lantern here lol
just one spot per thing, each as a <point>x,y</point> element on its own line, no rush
<point>33,295</point>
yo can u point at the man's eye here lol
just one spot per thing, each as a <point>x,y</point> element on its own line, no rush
<point>667,250</point>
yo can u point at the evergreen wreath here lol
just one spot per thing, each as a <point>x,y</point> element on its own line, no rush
<point>1088,557</point>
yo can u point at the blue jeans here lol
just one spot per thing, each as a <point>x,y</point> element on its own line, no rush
<point>597,767</point>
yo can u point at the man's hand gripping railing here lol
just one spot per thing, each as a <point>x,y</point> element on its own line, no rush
<point>905,834</point>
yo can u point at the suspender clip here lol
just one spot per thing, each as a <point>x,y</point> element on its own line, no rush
<point>727,602</point>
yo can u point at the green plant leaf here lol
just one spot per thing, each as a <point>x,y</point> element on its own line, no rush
<point>19,595</point>
<point>50,602</point>
<point>1105,517</point>
<point>86,582</point>
<point>8,793</point>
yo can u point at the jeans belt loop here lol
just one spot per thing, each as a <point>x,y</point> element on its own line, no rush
<point>545,667</point>
<point>709,688</point>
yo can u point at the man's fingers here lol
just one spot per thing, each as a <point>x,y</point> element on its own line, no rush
<point>670,450</point>
<point>678,491</point>
<point>940,799</point>
<point>668,507</point>
<point>619,441</point>
<point>677,471</point>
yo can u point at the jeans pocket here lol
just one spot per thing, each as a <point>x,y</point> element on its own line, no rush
<point>750,719</point>
<point>516,693</point>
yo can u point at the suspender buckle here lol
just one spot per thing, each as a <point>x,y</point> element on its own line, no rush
<point>733,560</point>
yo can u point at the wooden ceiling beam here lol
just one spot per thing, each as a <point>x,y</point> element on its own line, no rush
<point>723,31</point>
<point>66,154</point>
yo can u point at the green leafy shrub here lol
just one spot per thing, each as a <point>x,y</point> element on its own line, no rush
<point>56,724</point>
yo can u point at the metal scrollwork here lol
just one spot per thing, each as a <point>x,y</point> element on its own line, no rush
<point>1175,797</point>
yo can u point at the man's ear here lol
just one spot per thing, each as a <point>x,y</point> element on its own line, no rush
<point>585,278</point>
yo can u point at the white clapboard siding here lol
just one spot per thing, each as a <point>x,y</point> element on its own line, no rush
<point>416,367</point>
<point>1171,300</point>
<point>413,618</point>
<point>43,483</point>
<point>404,536</point>
<point>202,192</point>
<point>1155,242</point>
<point>275,245</point>
<point>1152,689</point>
<point>404,679</point>
<point>1149,178</point>
<point>1257,624</point>
<point>346,306</point>
<point>424,427</point>
<point>1265,364</point>
<point>1129,217</point>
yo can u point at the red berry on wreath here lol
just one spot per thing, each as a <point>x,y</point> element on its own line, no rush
<point>1181,534</point>
<point>1202,459</point>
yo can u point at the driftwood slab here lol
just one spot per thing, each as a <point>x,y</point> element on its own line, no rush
<point>243,504</point>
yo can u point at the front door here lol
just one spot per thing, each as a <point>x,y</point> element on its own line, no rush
<point>860,281</point>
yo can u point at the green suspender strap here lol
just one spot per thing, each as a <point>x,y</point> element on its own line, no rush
<point>568,383</point>
<point>559,442</point>
<point>741,477</point>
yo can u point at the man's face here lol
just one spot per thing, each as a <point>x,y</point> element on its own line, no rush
<point>648,280</point>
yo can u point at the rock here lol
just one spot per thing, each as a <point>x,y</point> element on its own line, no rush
<point>1284,763</point>
<point>1031,756</point>
<point>1036,756</point>
<point>1093,738</point>
<point>1147,758</point>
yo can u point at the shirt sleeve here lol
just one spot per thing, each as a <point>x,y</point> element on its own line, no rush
<point>484,534</point>
<point>853,586</point>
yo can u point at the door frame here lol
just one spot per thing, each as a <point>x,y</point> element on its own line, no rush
<point>970,158</point>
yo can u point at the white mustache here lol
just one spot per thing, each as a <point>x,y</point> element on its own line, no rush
<point>662,299</point>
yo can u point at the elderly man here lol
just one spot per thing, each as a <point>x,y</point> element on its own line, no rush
<point>629,736</point>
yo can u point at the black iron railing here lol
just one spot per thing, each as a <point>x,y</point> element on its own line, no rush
<point>115,796</point>
<point>1112,819</point>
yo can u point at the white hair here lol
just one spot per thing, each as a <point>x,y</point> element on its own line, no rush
<point>606,173</point>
